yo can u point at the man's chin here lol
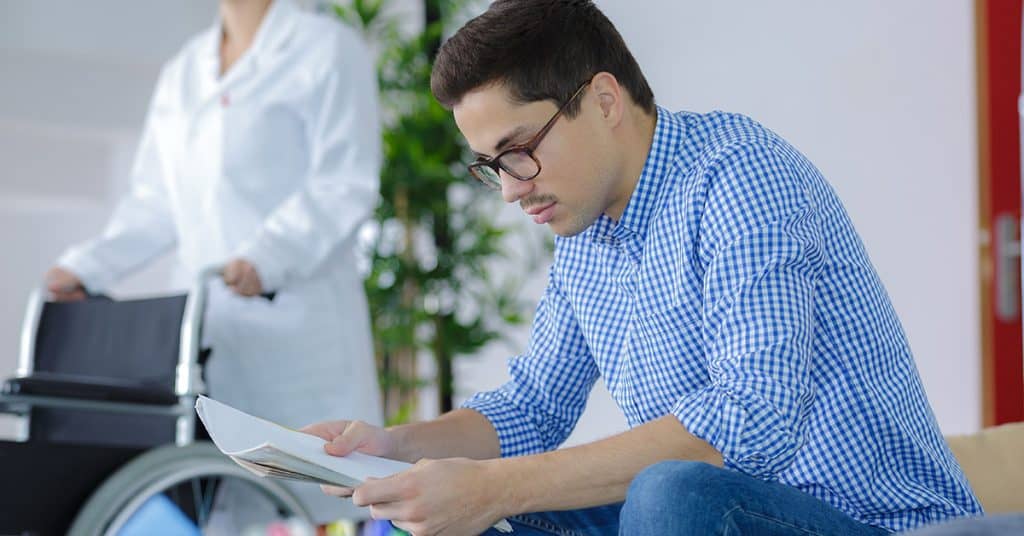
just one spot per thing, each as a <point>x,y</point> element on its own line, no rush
<point>566,227</point>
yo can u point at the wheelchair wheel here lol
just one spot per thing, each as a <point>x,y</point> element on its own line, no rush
<point>188,477</point>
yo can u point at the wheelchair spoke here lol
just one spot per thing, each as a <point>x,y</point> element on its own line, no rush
<point>197,501</point>
<point>209,493</point>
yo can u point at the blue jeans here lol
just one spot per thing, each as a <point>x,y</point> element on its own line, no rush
<point>678,497</point>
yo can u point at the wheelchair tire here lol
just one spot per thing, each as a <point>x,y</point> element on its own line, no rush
<point>120,495</point>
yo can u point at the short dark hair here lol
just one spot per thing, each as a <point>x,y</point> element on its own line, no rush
<point>540,50</point>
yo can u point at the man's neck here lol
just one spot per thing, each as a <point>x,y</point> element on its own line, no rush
<point>240,20</point>
<point>637,145</point>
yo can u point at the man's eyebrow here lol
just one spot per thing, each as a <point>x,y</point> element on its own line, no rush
<point>515,134</point>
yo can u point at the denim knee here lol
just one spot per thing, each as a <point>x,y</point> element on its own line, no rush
<point>666,493</point>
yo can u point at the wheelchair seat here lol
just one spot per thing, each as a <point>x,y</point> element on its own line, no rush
<point>50,384</point>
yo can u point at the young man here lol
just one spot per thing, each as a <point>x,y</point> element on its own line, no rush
<point>709,275</point>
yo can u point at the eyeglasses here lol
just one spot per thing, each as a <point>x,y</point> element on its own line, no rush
<point>518,160</point>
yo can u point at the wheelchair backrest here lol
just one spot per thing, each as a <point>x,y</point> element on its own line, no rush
<point>133,342</point>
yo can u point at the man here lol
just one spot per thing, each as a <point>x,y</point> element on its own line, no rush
<point>708,273</point>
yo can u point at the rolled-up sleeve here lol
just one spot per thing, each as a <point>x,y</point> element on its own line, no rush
<point>538,408</point>
<point>761,248</point>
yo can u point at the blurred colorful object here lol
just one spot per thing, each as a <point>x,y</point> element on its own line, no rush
<point>158,515</point>
<point>381,528</point>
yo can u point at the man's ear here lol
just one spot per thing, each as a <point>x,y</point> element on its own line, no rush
<point>610,96</point>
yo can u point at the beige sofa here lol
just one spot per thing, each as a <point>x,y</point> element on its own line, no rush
<point>993,461</point>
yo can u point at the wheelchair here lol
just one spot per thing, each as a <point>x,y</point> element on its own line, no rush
<point>107,436</point>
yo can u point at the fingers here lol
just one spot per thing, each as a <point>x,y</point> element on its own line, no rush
<point>231,273</point>
<point>341,446</point>
<point>325,430</point>
<point>389,511</point>
<point>63,285</point>
<point>65,293</point>
<point>376,491</point>
<point>337,491</point>
<point>75,295</point>
<point>234,275</point>
<point>356,435</point>
<point>241,277</point>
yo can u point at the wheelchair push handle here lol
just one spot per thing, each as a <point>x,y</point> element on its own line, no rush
<point>189,378</point>
<point>214,271</point>
<point>189,381</point>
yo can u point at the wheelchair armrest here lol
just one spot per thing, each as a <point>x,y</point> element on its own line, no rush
<point>88,388</point>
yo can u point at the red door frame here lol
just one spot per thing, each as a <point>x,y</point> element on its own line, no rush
<point>998,35</point>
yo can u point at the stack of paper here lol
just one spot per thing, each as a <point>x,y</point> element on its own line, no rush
<point>269,449</point>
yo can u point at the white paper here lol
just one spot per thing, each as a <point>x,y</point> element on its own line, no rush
<point>269,449</point>
<point>249,438</point>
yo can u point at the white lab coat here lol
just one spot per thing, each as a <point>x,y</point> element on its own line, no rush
<point>276,162</point>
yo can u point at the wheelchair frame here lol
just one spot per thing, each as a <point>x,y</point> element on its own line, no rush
<point>108,507</point>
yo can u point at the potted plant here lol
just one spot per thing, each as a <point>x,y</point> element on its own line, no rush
<point>433,245</point>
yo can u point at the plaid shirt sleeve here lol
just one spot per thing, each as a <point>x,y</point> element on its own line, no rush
<point>761,249</point>
<point>538,408</point>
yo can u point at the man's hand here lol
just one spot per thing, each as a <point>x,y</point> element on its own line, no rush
<point>63,285</point>
<point>241,276</point>
<point>453,496</point>
<point>345,437</point>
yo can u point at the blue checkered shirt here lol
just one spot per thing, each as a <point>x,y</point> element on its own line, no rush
<point>735,294</point>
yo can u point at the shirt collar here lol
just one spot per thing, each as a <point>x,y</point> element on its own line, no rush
<point>669,133</point>
<point>272,35</point>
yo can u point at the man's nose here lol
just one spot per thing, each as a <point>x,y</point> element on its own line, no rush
<point>513,189</point>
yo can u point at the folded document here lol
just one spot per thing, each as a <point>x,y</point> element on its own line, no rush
<point>269,449</point>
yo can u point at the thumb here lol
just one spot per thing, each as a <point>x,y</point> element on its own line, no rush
<point>55,286</point>
<point>341,445</point>
<point>230,273</point>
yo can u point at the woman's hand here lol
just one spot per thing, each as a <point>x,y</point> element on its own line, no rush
<point>241,276</point>
<point>63,285</point>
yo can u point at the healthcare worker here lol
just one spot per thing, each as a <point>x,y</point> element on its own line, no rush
<point>261,153</point>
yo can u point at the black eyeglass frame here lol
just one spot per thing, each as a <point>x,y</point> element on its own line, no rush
<point>477,169</point>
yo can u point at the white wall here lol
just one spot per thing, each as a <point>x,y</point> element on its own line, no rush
<point>881,96</point>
